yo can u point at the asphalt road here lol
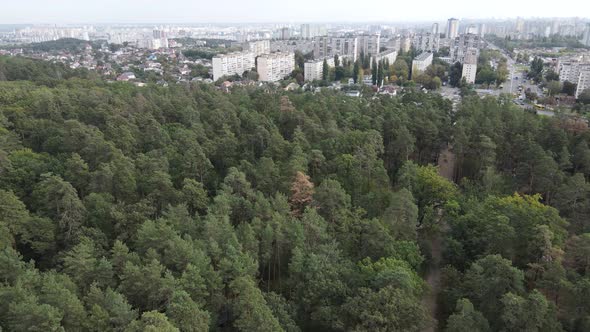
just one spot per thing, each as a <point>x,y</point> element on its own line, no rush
<point>516,77</point>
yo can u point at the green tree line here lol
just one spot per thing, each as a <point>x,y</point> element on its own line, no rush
<point>184,208</point>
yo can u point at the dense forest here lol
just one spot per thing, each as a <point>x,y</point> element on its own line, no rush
<point>184,208</point>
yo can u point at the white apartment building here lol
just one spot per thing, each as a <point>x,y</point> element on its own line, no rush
<point>159,40</point>
<point>420,63</point>
<point>472,28</point>
<point>368,44</point>
<point>570,69</point>
<point>309,31</point>
<point>481,30</point>
<point>303,45</point>
<point>461,44</point>
<point>470,66</point>
<point>259,47</point>
<point>426,42</point>
<point>519,28</point>
<point>394,43</point>
<point>406,44</point>
<point>583,82</point>
<point>576,70</point>
<point>285,33</point>
<point>275,66</point>
<point>235,63</point>
<point>389,55</point>
<point>452,28</point>
<point>313,70</point>
<point>586,39</point>
<point>326,46</point>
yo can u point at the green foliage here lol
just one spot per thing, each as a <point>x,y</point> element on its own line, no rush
<point>533,313</point>
<point>29,315</point>
<point>152,321</point>
<point>250,309</point>
<point>466,318</point>
<point>58,200</point>
<point>186,208</point>
<point>509,226</point>
<point>388,309</point>
<point>186,314</point>
<point>569,88</point>
<point>108,310</point>
<point>536,71</point>
<point>488,280</point>
<point>456,74</point>
<point>430,190</point>
<point>584,97</point>
<point>42,72</point>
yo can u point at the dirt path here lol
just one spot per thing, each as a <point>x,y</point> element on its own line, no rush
<point>446,168</point>
<point>446,163</point>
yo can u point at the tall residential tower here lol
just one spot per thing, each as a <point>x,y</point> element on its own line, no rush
<point>586,39</point>
<point>452,28</point>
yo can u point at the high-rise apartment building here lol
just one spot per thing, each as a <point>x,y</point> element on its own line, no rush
<point>575,70</point>
<point>435,29</point>
<point>569,70</point>
<point>481,30</point>
<point>305,31</point>
<point>461,44</point>
<point>555,28</point>
<point>235,63</point>
<point>394,43</point>
<point>258,47</point>
<point>406,43</point>
<point>586,39</point>
<point>583,81</point>
<point>426,42</point>
<point>309,31</point>
<point>420,63</point>
<point>159,39</point>
<point>275,66</point>
<point>452,28</point>
<point>519,25</point>
<point>470,65</point>
<point>389,56</point>
<point>368,44</point>
<point>327,46</point>
<point>472,28</point>
<point>284,33</point>
<point>314,69</point>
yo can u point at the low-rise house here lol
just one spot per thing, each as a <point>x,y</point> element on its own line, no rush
<point>126,76</point>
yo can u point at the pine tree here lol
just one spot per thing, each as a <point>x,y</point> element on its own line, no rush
<point>375,71</point>
<point>301,193</point>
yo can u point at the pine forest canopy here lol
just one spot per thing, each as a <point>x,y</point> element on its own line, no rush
<point>184,208</point>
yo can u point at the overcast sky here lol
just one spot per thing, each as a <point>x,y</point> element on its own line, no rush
<point>285,11</point>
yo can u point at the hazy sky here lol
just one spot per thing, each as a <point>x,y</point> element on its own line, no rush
<point>200,11</point>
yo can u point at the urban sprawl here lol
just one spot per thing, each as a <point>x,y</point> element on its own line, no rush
<point>541,63</point>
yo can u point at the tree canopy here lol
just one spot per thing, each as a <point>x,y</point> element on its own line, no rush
<point>186,208</point>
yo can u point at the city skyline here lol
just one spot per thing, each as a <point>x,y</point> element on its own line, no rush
<point>266,11</point>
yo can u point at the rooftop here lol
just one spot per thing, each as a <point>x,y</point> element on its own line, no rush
<point>423,56</point>
<point>277,55</point>
<point>231,54</point>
